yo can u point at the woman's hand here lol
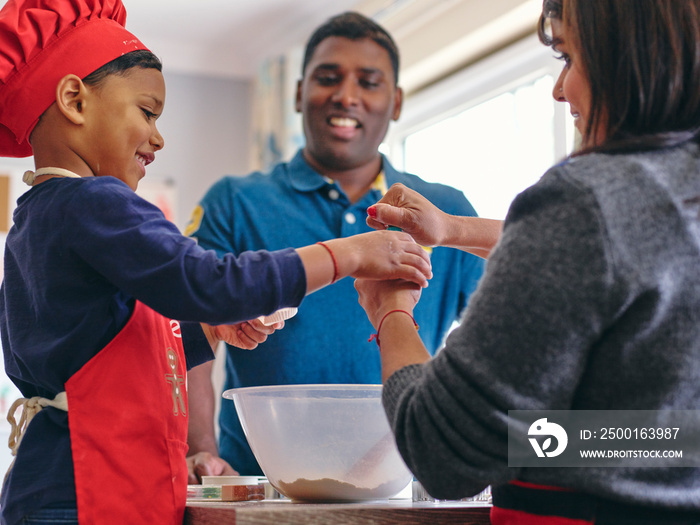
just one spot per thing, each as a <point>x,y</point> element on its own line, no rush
<point>409,210</point>
<point>399,342</point>
<point>428,225</point>
<point>379,297</point>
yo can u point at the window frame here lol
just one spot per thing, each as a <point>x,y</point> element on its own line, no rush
<point>520,63</point>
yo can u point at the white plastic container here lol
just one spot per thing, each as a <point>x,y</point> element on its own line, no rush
<point>230,480</point>
<point>280,315</point>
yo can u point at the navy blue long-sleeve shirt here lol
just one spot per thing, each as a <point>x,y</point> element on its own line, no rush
<point>80,252</point>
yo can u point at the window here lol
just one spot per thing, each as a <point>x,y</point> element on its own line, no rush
<point>490,130</point>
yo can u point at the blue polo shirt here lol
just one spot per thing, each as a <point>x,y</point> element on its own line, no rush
<point>327,341</point>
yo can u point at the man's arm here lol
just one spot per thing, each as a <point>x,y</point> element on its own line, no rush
<point>203,456</point>
<point>201,436</point>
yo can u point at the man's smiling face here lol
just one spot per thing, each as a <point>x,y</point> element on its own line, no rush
<point>347,98</point>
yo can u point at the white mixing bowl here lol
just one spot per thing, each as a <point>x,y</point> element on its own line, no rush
<point>322,442</point>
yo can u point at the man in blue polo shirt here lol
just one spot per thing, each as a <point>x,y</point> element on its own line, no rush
<point>348,94</point>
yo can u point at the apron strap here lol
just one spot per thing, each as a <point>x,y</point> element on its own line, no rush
<point>30,408</point>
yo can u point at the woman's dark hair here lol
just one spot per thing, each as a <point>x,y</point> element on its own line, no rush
<point>142,58</point>
<point>642,62</point>
<point>355,27</point>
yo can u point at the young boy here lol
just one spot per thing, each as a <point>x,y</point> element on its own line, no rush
<point>102,296</point>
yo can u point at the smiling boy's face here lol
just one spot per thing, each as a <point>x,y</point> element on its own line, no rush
<point>120,122</point>
<point>347,98</point>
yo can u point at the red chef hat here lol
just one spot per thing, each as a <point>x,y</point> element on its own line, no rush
<point>41,41</point>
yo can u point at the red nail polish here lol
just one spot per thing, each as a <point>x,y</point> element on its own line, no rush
<point>372,212</point>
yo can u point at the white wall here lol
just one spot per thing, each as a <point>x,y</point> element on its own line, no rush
<point>206,127</point>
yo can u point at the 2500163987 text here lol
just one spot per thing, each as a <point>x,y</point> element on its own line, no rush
<point>630,433</point>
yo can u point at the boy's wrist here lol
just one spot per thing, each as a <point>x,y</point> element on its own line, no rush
<point>346,260</point>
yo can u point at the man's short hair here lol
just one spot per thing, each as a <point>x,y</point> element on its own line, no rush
<point>355,27</point>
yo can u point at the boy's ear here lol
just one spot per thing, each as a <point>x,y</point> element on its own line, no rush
<point>70,98</point>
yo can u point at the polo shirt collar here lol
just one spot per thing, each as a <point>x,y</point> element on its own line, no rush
<point>304,178</point>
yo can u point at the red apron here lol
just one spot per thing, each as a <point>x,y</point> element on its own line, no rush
<point>127,415</point>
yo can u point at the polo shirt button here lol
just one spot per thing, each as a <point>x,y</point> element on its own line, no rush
<point>333,194</point>
<point>350,218</point>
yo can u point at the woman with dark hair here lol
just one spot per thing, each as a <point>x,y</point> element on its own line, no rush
<point>642,65</point>
<point>591,297</point>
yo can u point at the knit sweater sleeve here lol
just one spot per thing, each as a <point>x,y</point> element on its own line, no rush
<point>522,344</point>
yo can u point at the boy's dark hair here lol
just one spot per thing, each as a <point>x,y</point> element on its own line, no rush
<point>142,58</point>
<point>355,27</point>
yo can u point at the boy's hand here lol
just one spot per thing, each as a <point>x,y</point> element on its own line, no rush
<point>247,335</point>
<point>382,255</point>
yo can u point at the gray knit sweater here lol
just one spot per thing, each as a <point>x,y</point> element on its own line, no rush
<point>591,300</point>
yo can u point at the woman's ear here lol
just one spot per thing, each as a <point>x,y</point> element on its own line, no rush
<point>70,98</point>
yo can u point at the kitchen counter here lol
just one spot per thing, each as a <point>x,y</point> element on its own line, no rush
<point>286,512</point>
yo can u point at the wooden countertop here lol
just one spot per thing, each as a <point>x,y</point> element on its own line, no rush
<point>286,512</point>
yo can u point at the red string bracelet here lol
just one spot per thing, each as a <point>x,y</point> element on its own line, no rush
<point>375,337</point>
<point>335,261</point>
